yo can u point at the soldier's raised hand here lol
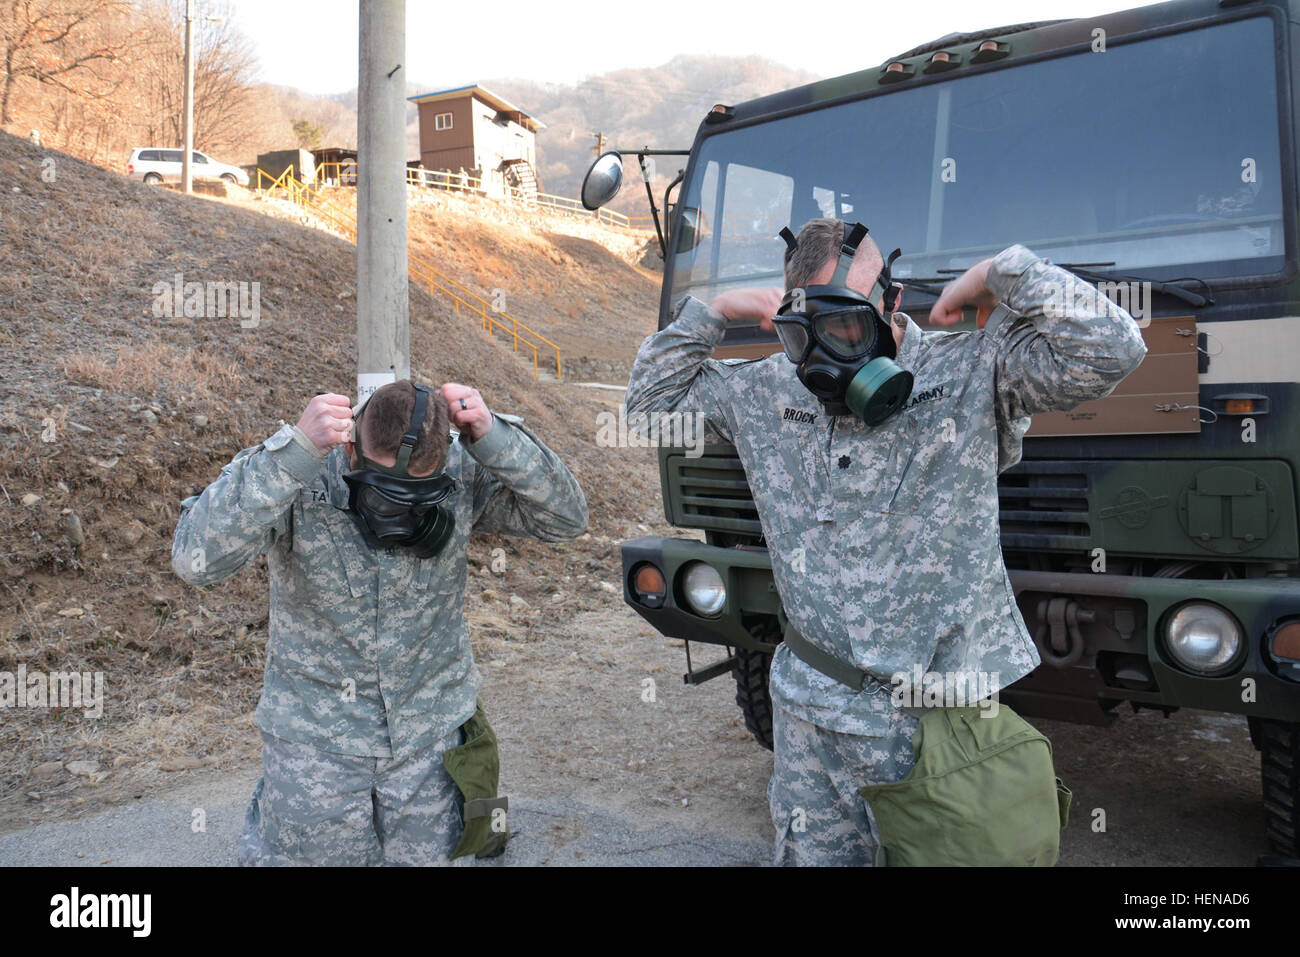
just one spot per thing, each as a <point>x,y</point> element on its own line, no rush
<point>968,289</point>
<point>327,420</point>
<point>469,413</point>
<point>760,304</point>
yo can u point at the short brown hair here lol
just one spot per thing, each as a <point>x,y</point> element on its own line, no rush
<point>818,242</point>
<point>387,416</point>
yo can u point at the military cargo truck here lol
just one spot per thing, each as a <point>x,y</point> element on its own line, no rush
<point>1151,536</point>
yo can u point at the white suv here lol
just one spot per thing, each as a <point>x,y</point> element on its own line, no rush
<point>154,166</point>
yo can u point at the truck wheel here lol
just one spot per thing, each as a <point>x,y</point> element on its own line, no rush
<point>752,694</point>
<point>1279,760</point>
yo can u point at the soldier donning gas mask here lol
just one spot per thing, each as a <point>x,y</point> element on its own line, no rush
<point>389,506</point>
<point>842,349</point>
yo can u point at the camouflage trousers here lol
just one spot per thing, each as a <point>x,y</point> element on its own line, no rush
<point>315,807</point>
<point>820,818</point>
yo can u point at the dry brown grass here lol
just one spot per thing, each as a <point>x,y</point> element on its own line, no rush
<point>158,367</point>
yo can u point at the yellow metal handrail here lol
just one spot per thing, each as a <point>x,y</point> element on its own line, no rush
<point>308,198</point>
<point>422,271</point>
<point>276,182</point>
<point>456,182</point>
<point>344,173</point>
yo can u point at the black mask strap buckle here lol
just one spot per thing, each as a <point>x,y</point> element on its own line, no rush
<point>886,281</point>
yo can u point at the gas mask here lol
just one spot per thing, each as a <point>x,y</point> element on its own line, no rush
<point>390,507</point>
<point>842,349</point>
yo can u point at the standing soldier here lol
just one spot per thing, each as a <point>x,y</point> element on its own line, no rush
<point>374,749</point>
<point>872,451</point>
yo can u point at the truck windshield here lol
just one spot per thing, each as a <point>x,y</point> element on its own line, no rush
<point>1161,156</point>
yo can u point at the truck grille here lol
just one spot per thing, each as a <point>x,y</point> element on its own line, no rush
<point>709,492</point>
<point>1044,505</point>
<point>1041,504</point>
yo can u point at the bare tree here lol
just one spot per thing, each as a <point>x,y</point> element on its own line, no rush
<point>96,127</point>
<point>224,69</point>
<point>224,64</point>
<point>56,42</point>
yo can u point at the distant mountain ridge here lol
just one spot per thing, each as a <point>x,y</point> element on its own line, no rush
<point>659,107</point>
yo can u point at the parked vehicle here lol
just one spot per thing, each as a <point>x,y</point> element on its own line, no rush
<point>155,166</point>
<point>1152,536</point>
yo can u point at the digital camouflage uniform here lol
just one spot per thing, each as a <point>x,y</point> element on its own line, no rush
<point>369,669</point>
<point>884,541</point>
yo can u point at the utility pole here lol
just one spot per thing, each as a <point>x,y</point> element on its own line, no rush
<point>600,143</point>
<point>187,181</point>
<point>383,300</point>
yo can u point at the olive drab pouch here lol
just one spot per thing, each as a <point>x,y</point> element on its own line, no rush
<point>475,766</point>
<point>982,793</point>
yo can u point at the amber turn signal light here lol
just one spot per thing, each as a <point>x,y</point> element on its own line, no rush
<point>1286,642</point>
<point>648,585</point>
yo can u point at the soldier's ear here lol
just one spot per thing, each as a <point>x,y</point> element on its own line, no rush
<point>351,449</point>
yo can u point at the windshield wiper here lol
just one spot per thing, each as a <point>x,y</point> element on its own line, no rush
<point>933,285</point>
<point>1167,287</point>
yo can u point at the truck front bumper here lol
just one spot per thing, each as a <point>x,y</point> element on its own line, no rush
<point>1101,637</point>
<point>746,574</point>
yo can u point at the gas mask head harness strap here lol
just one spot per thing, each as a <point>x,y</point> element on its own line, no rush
<point>843,350</point>
<point>391,507</point>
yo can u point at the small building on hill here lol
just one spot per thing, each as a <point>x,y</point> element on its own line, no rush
<point>336,165</point>
<point>472,129</point>
<point>274,164</point>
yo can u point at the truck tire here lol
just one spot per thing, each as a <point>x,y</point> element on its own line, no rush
<point>752,694</point>
<point>1279,760</point>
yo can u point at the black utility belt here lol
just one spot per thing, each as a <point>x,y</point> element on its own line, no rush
<point>830,666</point>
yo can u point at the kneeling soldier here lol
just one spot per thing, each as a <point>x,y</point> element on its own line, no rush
<point>374,748</point>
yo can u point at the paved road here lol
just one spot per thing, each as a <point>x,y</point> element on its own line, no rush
<point>1149,791</point>
<point>546,831</point>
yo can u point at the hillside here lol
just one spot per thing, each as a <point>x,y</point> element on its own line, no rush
<point>110,415</point>
<point>576,282</point>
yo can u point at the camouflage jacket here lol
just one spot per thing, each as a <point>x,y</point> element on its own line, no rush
<point>884,541</point>
<point>368,651</point>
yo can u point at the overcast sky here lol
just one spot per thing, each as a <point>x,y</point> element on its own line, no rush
<point>313,45</point>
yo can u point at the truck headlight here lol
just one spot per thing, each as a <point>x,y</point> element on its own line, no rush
<point>703,589</point>
<point>1203,638</point>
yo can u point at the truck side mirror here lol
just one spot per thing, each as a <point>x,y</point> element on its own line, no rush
<point>603,180</point>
